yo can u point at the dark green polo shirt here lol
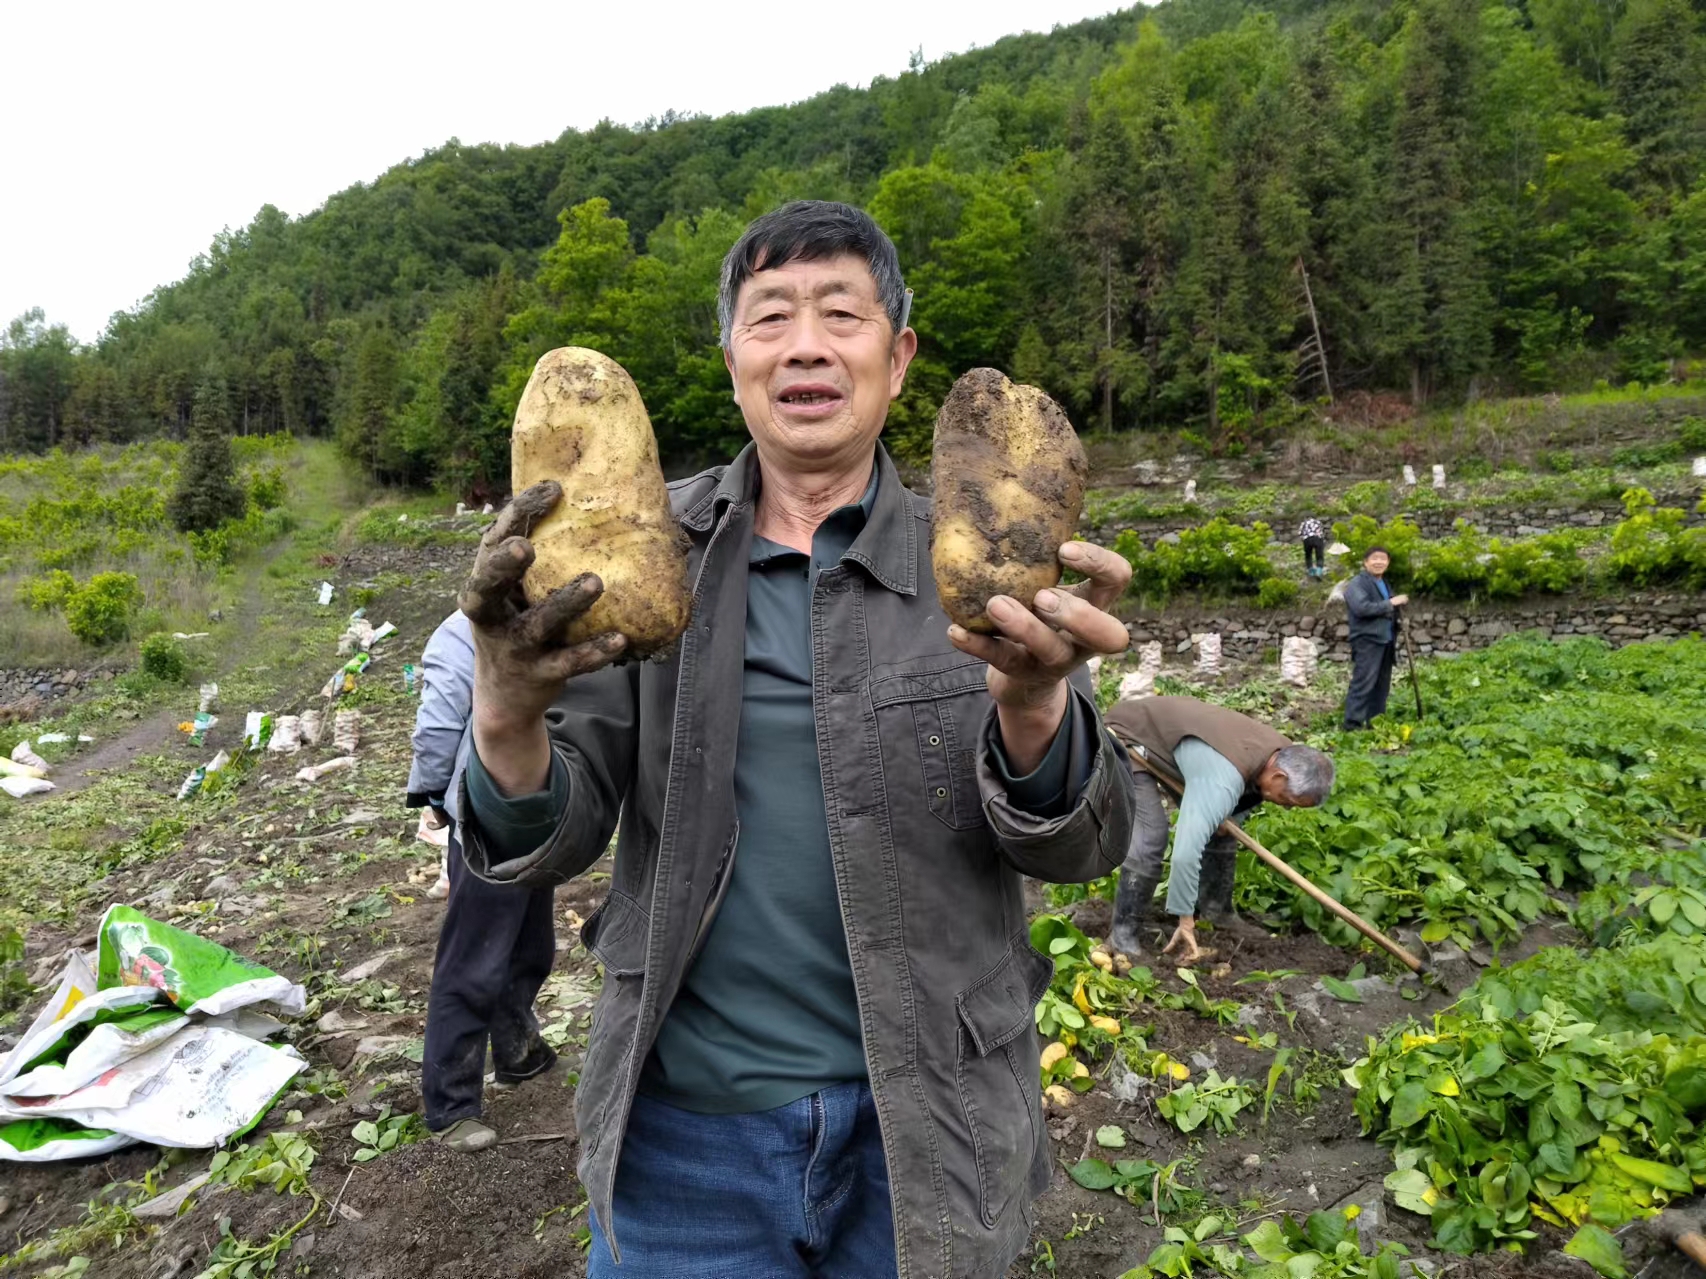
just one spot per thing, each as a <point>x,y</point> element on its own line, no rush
<point>767,1014</point>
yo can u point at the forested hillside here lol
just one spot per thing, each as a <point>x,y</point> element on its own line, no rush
<point>1206,214</point>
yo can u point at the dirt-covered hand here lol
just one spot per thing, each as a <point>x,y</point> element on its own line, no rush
<point>520,663</point>
<point>1398,601</point>
<point>1184,938</point>
<point>1038,649</point>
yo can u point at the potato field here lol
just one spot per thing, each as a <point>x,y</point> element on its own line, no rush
<point>1296,1105</point>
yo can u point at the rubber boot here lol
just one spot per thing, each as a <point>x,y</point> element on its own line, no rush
<point>539,1059</point>
<point>1214,897</point>
<point>1134,903</point>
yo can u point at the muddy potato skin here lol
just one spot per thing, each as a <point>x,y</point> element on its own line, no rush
<point>1008,474</point>
<point>581,422</point>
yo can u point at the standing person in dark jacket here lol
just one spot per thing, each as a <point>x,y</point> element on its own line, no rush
<point>1313,531</point>
<point>1374,643</point>
<point>496,945</point>
<point>815,1046</point>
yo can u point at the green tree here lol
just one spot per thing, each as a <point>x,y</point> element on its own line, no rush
<point>207,492</point>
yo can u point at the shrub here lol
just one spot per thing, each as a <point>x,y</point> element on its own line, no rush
<point>1691,431</point>
<point>99,611</point>
<point>1652,547</point>
<point>1276,592</point>
<point>267,489</point>
<point>1645,455</point>
<point>48,592</point>
<point>1401,537</point>
<point>1216,555</point>
<point>164,658</point>
<point>1470,565</point>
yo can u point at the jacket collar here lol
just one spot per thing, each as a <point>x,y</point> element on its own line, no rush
<point>888,544</point>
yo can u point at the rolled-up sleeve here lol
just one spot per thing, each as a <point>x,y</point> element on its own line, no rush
<point>1081,833</point>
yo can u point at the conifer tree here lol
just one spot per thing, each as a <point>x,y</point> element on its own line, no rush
<point>207,492</point>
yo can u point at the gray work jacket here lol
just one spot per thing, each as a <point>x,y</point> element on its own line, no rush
<point>1370,611</point>
<point>928,854</point>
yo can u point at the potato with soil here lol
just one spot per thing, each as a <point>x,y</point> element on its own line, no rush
<point>581,422</point>
<point>1009,476</point>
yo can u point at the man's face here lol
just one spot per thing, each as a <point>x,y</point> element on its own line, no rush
<point>1377,562</point>
<point>814,361</point>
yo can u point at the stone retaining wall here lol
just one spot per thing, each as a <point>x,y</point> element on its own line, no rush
<point>1248,635</point>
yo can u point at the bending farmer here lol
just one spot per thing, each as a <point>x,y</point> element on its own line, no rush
<point>1228,764</point>
<point>815,1048</point>
<point>496,944</point>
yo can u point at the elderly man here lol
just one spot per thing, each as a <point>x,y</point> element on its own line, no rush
<point>1227,763</point>
<point>814,1052</point>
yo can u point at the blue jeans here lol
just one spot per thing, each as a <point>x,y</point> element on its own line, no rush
<point>799,1192</point>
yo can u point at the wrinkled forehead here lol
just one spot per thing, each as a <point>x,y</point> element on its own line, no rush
<point>845,275</point>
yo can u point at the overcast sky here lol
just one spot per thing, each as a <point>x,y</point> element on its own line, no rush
<point>138,131</point>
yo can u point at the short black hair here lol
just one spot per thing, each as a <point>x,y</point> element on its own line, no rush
<point>810,231</point>
<point>1376,550</point>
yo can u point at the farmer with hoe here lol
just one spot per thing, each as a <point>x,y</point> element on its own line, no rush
<point>814,1052</point>
<point>1227,764</point>
<point>1373,610</point>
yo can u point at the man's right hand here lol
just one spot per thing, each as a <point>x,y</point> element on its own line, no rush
<point>520,663</point>
<point>1398,601</point>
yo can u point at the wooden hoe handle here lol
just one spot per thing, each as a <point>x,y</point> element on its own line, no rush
<point>1344,912</point>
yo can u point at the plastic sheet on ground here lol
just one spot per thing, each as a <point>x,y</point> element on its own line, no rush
<point>160,1041</point>
<point>1298,655</point>
<point>18,787</point>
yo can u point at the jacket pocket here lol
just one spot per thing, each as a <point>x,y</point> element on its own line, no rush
<point>947,708</point>
<point>996,1072</point>
<point>616,934</point>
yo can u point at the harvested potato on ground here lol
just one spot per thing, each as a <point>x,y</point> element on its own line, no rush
<point>581,422</point>
<point>1009,476</point>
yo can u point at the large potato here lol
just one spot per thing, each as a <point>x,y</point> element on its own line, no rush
<point>581,422</point>
<point>1009,476</point>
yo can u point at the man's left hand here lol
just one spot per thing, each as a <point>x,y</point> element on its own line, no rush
<point>1036,651</point>
<point>1031,658</point>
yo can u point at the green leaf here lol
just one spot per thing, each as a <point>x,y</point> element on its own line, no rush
<point>1413,1190</point>
<point>1092,1174</point>
<point>366,1153</point>
<point>1664,1176</point>
<point>1060,945</point>
<point>1558,1156</point>
<point>1486,1063</point>
<point>366,1132</point>
<point>1694,910</point>
<point>1267,1241</point>
<point>1435,930</point>
<point>1599,1249</point>
<point>1111,1137</point>
<point>1326,1230</point>
<point>1661,908</point>
<point>1341,990</point>
<point>1412,1102</point>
